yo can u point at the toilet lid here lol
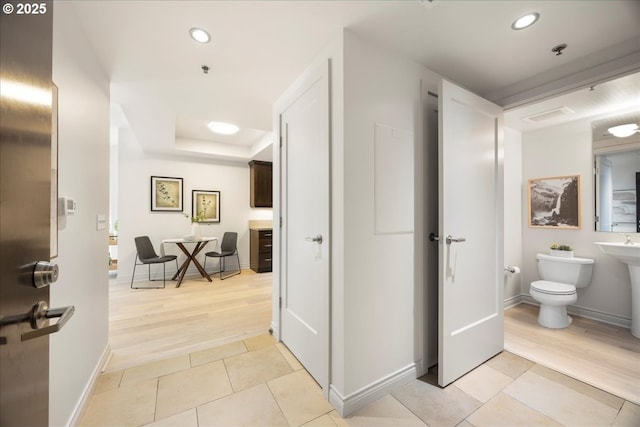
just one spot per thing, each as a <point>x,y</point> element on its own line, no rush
<point>553,288</point>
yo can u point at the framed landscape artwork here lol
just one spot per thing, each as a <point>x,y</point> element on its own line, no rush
<point>205,205</point>
<point>623,206</point>
<point>166,194</point>
<point>554,202</point>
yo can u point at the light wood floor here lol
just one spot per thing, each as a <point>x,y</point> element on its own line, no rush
<point>602,355</point>
<point>152,324</point>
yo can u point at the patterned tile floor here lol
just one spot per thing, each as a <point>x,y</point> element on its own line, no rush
<point>258,382</point>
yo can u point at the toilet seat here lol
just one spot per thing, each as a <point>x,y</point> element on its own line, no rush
<point>553,288</point>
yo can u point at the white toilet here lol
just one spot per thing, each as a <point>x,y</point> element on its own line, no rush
<point>557,289</point>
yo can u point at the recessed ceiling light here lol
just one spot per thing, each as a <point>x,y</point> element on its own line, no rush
<point>223,128</point>
<point>623,131</point>
<point>525,21</point>
<point>199,35</point>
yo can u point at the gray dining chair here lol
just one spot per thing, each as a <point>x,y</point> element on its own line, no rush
<point>147,255</point>
<point>228,248</point>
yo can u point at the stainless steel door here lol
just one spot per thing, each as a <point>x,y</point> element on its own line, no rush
<point>25,182</point>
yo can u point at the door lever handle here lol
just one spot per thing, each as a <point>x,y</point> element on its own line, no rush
<point>317,239</point>
<point>40,313</point>
<point>450,240</point>
<point>37,317</point>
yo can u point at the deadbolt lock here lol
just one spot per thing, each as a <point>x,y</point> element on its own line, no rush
<point>44,274</point>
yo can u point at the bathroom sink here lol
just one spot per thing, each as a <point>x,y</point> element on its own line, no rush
<point>630,255</point>
<point>627,253</point>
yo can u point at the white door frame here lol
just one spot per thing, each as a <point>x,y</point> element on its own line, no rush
<point>299,87</point>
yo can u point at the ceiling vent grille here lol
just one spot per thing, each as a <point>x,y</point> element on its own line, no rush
<point>548,115</point>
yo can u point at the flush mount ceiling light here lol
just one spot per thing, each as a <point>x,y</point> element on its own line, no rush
<point>525,21</point>
<point>199,35</point>
<point>623,131</point>
<point>223,128</point>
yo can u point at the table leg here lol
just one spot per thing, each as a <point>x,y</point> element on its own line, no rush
<point>183,268</point>
<point>196,251</point>
<point>191,257</point>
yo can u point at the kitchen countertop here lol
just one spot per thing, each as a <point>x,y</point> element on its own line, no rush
<point>260,224</point>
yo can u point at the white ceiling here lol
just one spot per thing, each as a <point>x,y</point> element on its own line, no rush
<point>607,104</point>
<point>259,47</point>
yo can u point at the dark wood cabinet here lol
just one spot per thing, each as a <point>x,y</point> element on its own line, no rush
<point>261,184</point>
<point>260,250</point>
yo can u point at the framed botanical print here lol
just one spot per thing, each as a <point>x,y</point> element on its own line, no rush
<point>205,205</point>
<point>166,194</point>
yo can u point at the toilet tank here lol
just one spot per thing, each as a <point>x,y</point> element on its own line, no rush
<point>573,271</point>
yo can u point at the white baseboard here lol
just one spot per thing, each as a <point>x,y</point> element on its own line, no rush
<point>81,406</point>
<point>191,272</point>
<point>589,313</point>
<point>347,405</point>
<point>512,302</point>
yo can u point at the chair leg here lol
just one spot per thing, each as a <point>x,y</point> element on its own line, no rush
<point>151,280</point>
<point>164,275</point>
<point>134,271</point>
<point>230,275</point>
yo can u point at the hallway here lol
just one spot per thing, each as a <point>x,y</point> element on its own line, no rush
<point>257,382</point>
<point>252,380</point>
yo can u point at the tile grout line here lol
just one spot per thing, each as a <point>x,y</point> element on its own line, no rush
<point>502,392</point>
<point>479,407</point>
<point>121,378</point>
<point>233,391</point>
<point>197,416</point>
<point>226,371</point>
<point>196,408</point>
<point>266,383</point>
<point>551,416</point>
<point>481,403</point>
<point>204,403</point>
<point>467,394</point>
<point>155,408</point>
<point>525,403</point>
<point>405,406</point>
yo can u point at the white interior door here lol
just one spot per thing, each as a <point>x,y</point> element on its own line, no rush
<point>304,127</point>
<point>471,328</point>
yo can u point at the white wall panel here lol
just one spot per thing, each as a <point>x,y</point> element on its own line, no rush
<point>378,268</point>
<point>393,180</point>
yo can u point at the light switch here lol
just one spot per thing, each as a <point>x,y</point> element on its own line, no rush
<point>101,221</point>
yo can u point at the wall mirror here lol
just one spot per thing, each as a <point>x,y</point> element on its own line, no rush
<point>616,175</point>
